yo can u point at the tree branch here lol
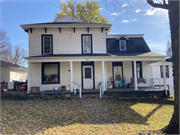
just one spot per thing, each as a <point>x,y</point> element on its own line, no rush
<point>156,5</point>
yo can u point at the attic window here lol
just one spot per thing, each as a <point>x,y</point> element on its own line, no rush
<point>122,45</point>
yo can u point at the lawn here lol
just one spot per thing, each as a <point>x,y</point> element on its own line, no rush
<point>89,115</point>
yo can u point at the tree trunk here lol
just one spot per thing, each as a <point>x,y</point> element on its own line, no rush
<point>173,127</point>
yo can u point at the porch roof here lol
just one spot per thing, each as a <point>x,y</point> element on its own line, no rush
<point>110,54</point>
<point>141,54</point>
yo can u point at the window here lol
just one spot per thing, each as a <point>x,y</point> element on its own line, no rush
<point>117,73</point>
<point>46,44</point>
<point>87,43</point>
<point>50,73</point>
<point>117,70</point>
<point>122,45</point>
<point>87,72</point>
<point>138,69</point>
<point>166,70</point>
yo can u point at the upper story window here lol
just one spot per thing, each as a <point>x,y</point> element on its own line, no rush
<point>122,45</point>
<point>87,43</point>
<point>166,71</point>
<point>46,44</point>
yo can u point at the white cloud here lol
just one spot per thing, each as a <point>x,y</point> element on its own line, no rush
<point>138,10</point>
<point>128,21</point>
<point>151,12</point>
<point>115,14</point>
<point>123,11</point>
<point>124,5</point>
<point>155,11</point>
<point>125,21</point>
<point>101,9</point>
<point>134,20</point>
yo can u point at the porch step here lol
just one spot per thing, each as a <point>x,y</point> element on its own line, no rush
<point>68,92</point>
<point>160,93</point>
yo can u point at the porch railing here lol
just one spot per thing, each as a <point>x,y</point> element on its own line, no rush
<point>101,90</point>
<point>80,87</point>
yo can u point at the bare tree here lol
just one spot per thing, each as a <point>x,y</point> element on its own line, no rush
<point>9,53</point>
<point>4,40</point>
<point>169,49</point>
<point>14,55</point>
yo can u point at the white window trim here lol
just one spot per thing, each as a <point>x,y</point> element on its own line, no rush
<point>120,45</point>
<point>90,44</point>
<point>50,45</point>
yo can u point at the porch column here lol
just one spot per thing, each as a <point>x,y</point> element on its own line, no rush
<point>164,74</point>
<point>103,75</point>
<point>71,71</point>
<point>135,76</point>
<point>29,87</point>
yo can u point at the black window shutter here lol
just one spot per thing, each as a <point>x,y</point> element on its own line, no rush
<point>161,72</point>
<point>167,73</point>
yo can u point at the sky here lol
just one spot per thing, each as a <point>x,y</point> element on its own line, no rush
<point>126,17</point>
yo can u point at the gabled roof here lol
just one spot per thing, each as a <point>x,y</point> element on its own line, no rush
<point>121,37</point>
<point>5,63</point>
<point>68,18</point>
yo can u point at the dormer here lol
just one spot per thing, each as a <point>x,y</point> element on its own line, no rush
<point>126,43</point>
<point>122,42</point>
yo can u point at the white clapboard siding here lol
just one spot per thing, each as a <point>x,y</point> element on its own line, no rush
<point>36,76</point>
<point>67,42</point>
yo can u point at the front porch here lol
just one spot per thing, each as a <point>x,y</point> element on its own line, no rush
<point>89,73</point>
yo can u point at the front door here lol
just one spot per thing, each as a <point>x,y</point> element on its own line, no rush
<point>117,74</point>
<point>88,77</point>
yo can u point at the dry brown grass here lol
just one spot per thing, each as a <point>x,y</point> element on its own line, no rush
<point>86,116</point>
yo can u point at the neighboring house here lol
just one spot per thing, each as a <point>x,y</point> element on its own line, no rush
<point>157,76</point>
<point>10,72</point>
<point>69,50</point>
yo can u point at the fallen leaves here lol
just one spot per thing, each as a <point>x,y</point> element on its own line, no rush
<point>85,116</point>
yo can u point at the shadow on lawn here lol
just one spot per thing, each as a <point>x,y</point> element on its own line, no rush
<point>128,110</point>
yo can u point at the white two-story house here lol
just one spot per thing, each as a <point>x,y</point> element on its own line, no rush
<point>69,50</point>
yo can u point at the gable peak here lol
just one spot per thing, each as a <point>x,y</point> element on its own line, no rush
<point>123,37</point>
